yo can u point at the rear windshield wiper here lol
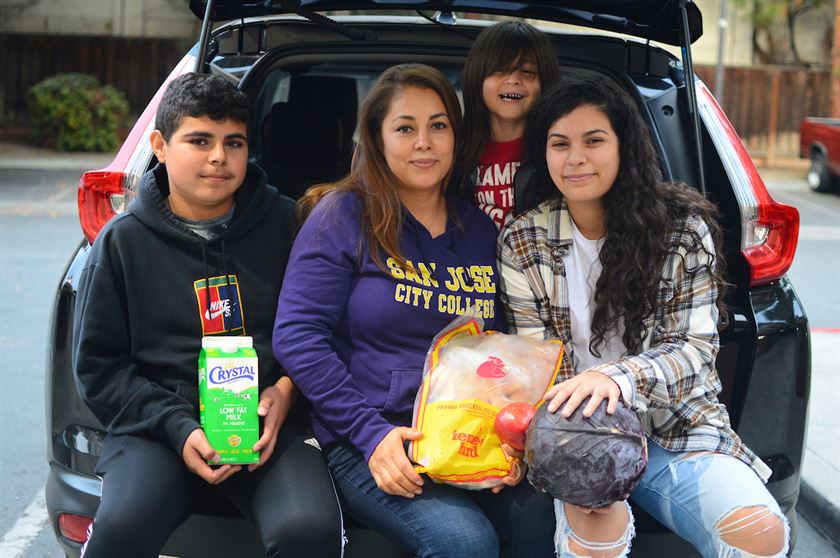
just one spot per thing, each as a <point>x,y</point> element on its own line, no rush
<point>328,23</point>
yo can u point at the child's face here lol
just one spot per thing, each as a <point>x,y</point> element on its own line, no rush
<point>417,139</point>
<point>206,161</point>
<point>510,94</point>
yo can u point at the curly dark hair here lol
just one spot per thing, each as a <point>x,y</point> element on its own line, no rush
<point>641,210</point>
<point>199,95</point>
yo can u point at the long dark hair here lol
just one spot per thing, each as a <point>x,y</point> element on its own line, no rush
<point>370,177</point>
<point>497,48</point>
<point>641,211</point>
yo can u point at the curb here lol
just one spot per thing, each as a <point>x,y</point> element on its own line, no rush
<point>822,514</point>
<point>55,163</point>
<point>38,209</point>
<point>22,156</point>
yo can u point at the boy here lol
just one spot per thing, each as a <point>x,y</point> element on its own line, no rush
<point>201,251</point>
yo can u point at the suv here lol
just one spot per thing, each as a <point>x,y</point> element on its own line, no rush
<point>306,74</point>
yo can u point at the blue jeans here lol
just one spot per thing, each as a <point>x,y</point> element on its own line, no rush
<point>446,521</point>
<point>691,495</point>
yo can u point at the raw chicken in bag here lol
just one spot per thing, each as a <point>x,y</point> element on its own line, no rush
<point>469,375</point>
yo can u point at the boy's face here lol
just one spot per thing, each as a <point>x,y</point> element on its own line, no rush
<point>206,161</point>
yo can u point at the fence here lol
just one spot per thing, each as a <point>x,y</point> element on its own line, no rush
<point>135,66</point>
<point>767,104</point>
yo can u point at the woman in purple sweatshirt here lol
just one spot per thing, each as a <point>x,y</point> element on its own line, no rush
<point>383,261</point>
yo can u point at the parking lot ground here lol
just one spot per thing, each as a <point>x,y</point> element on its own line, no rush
<point>816,276</point>
<point>40,185</point>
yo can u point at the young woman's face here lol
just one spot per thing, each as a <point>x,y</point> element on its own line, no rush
<point>510,94</point>
<point>417,139</point>
<point>582,154</point>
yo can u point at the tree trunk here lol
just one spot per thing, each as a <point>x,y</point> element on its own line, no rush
<point>791,20</point>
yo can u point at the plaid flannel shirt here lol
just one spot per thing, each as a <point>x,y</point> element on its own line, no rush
<point>672,383</point>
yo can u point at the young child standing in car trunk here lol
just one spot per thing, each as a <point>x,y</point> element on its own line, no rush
<point>507,67</point>
<point>146,298</point>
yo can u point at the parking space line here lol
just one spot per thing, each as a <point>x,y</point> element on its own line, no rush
<point>819,232</point>
<point>794,199</point>
<point>25,530</point>
<point>61,195</point>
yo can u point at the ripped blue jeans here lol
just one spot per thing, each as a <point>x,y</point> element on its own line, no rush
<point>692,495</point>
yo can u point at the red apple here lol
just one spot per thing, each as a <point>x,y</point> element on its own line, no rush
<point>512,422</point>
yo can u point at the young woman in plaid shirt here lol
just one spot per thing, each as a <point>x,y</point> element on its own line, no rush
<point>626,270</point>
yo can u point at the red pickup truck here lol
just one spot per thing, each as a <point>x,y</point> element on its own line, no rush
<point>819,140</point>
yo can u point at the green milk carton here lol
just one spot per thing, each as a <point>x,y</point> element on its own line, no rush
<point>228,393</point>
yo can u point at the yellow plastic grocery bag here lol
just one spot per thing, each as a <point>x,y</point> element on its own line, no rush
<point>469,375</point>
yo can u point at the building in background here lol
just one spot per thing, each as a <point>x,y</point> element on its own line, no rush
<point>130,44</point>
<point>748,44</point>
<point>775,68</point>
<point>133,44</point>
<point>109,18</point>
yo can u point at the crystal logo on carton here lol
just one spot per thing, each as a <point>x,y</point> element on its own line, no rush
<point>219,375</point>
<point>228,389</point>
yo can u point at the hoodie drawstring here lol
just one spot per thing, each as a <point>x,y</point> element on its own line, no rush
<point>207,281</point>
<point>227,281</point>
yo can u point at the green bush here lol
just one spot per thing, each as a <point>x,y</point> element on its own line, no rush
<point>76,113</point>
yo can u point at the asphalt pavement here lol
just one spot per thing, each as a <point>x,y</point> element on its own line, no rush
<point>819,290</point>
<point>820,495</point>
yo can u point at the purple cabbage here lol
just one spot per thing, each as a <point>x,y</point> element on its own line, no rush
<point>590,462</point>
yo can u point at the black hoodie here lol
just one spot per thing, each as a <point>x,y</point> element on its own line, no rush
<point>141,306</point>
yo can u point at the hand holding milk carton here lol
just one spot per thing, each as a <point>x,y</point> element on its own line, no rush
<point>228,390</point>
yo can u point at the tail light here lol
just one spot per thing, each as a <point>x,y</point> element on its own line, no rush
<point>75,527</point>
<point>105,193</point>
<point>102,195</point>
<point>769,229</point>
<point>775,235</point>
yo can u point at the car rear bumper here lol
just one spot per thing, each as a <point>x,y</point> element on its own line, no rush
<point>771,364</point>
<point>70,492</point>
<point>200,536</point>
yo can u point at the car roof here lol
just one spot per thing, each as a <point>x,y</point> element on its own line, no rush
<point>658,20</point>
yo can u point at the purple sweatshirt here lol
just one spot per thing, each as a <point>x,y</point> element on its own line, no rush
<point>352,337</point>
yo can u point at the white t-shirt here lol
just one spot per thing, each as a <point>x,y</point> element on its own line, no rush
<point>583,267</point>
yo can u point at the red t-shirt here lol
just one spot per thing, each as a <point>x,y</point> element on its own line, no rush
<point>494,182</point>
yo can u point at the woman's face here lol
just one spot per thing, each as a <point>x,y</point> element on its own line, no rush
<point>417,139</point>
<point>582,155</point>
